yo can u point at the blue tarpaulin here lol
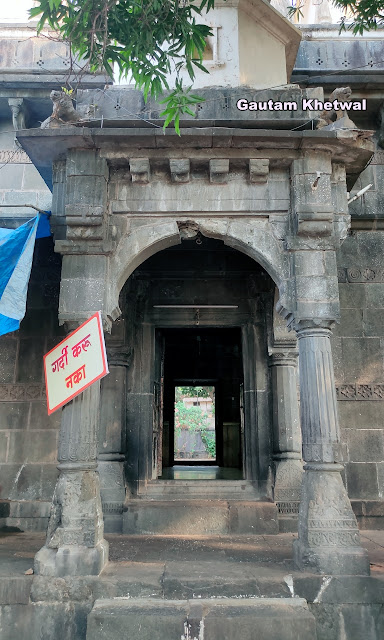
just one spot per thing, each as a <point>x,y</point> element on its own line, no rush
<point>16,254</point>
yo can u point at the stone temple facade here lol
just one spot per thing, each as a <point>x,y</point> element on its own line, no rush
<point>232,255</point>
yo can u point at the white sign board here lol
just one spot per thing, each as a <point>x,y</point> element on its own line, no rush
<point>75,363</point>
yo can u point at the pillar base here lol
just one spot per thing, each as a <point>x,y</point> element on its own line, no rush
<point>74,560</point>
<point>329,540</point>
<point>288,475</point>
<point>349,562</point>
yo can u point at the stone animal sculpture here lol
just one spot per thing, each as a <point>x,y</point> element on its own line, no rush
<point>63,111</point>
<point>326,118</point>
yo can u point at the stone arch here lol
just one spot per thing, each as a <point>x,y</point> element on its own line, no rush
<point>254,238</point>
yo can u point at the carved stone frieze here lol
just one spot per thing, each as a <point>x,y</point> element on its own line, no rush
<point>288,508</point>
<point>355,391</point>
<point>22,392</point>
<point>16,156</point>
<point>360,274</point>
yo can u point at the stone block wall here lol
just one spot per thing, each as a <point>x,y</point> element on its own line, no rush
<point>358,348</point>
<point>20,182</point>
<point>28,436</point>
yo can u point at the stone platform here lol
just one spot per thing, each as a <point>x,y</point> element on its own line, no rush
<point>236,583</point>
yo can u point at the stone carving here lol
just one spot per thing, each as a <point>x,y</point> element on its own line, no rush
<point>140,170</point>
<point>218,171</point>
<point>342,275</point>
<point>360,274</point>
<point>288,508</point>
<point>188,229</point>
<point>21,392</point>
<point>63,111</point>
<point>120,356</point>
<point>17,156</point>
<point>334,538</point>
<point>258,170</point>
<point>327,118</point>
<point>366,274</point>
<point>355,391</point>
<point>18,113</point>
<point>179,169</point>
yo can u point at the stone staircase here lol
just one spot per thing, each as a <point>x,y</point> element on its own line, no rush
<point>198,507</point>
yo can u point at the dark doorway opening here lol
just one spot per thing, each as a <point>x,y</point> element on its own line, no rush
<point>208,360</point>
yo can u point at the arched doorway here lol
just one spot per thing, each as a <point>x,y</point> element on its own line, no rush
<point>199,315</point>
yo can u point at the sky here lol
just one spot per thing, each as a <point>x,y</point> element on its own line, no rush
<point>16,10</point>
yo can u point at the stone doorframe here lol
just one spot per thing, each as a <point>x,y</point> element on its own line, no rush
<point>297,249</point>
<point>258,449</point>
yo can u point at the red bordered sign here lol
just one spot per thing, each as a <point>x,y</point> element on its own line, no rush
<point>75,363</point>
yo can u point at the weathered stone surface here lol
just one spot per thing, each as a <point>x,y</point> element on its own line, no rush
<point>364,359</point>
<point>199,517</point>
<point>329,541</point>
<point>30,364</point>
<point>42,621</point>
<point>75,543</point>
<point>15,590</point>
<point>365,445</point>
<point>8,359</point>
<point>151,619</point>
<point>362,480</point>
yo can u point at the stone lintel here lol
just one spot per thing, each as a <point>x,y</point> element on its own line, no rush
<point>218,171</point>
<point>45,146</point>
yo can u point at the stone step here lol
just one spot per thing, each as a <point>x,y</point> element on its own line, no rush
<point>199,517</point>
<point>212,489</point>
<point>218,619</point>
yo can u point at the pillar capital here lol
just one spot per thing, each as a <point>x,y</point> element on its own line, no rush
<point>314,326</point>
<point>283,356</point>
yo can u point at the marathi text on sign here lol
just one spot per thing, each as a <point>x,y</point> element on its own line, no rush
<point>75,363</point>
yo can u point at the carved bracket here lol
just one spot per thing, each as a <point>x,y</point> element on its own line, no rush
<point>258,170</point>
<point>180,169</point>
<point>218,171</point>
<point>140,170</point>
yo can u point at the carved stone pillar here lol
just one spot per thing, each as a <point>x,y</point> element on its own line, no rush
<point>329,540</point>
<point>75,543</point>
<point>111,439</point>
<point>286,436</point>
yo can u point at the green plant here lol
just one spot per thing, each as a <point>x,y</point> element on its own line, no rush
<point>145,39</point>
<point>195,420</point>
